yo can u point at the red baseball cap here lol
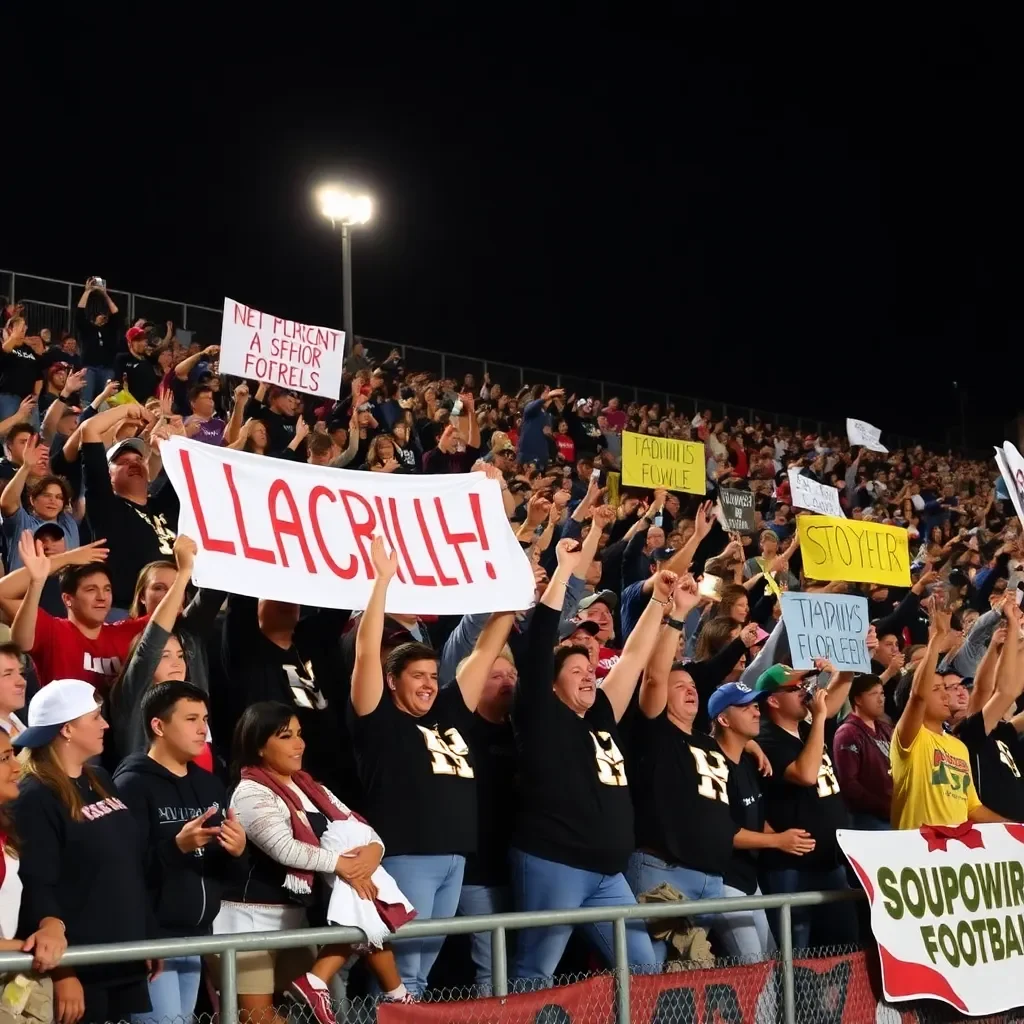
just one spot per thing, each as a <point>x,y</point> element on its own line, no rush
<point>134,333</point>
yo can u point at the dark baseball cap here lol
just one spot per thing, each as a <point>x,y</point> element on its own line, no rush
<point>570,626</point>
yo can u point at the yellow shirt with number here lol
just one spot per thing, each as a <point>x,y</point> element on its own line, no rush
<point>931,780</point>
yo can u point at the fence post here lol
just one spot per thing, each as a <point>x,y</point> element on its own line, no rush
<point>621,971</point>
<point>788,994</point>
<point>499,963</point>
<point>228,993</point>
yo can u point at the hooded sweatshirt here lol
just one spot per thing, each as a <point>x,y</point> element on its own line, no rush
<point>861,759</point>
<point>184,888</point>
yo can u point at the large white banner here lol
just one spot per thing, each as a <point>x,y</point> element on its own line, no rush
<point>287,353</point>
<point>865,435</point>
<point>808,493</point>
<point>289,531</point>
<point>947,910</point>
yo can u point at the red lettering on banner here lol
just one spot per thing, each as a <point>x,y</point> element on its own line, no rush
<point>456,540</point>
<point>254,554</point>
<point>315,495</point>
<point>287,527</point>
<point>247,316</point>
<point>417,579</point>
<point>362,533</point>
<point>446,581</point>
<point>383,520</point>
<point>478,517</point>
<point>209,543</point>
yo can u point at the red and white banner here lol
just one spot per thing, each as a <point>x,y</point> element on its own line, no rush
<point>293,532</point>
<point>947,910</point>
<point>287,353</point>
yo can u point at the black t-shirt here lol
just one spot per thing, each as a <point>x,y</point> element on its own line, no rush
<point>143,375</point>
<point>819,809</point>
<point>575,806</point>
<point>994,768</point>
<point>135,534</point>
<point>19,371</point>
<point>418,774</point>
<point>494,758</point>
<point>682,796</point>
<point>746,805</point>
<point>304,676</point>
<point>280,429</point>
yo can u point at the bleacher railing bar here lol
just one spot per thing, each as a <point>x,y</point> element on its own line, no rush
<point>49,302</point>
<point>498,925</point>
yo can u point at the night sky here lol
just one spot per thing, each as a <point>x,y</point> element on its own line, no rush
<point>786,210</point>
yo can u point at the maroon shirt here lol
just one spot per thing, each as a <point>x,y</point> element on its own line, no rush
<point>861,760</point>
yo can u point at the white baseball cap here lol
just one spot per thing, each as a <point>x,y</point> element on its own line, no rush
<point>55,704</point>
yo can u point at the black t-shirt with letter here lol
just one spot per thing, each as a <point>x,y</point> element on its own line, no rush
<point>819,809</point>
<point>994,767</point>
<point>746,804</point>
<point>417,775</point>
<point>575,806</point>
<point>682,796</point>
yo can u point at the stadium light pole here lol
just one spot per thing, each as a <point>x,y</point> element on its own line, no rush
<point>342,207</point>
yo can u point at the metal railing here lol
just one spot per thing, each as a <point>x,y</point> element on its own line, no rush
<point>228,946</point>
<point>49,302</point>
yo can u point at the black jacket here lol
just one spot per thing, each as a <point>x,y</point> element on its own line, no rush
<point>184,888</point>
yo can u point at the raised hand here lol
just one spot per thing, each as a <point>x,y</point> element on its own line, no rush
<point>74,383</point>
<point>684,596</point>
<point>568,553</point>
<point>384,565</point>
<point>34,454</point>
<point>824,665</point>
<point>748,634</point>
<point>87,554</point>
<point>664,582</point>
<point>818,706</point>
<point>301,429</point>
<point>603,517</point>
<point>185,550</point>
<point>705,517</point>
<point>33,557</point>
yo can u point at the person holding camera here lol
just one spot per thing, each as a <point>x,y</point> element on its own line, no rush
<point>98,336</point>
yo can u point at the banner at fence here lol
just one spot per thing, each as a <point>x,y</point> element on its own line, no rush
<point>578,1003</point>
<point>301,533</point>
<point>736,509</point>
<point>287,353</point>
<point>832,626</point>
<point>865,435</point>
<point>815,497</point>
<point>662,462</point>
<point>947,910</point>
<point>854,550</point>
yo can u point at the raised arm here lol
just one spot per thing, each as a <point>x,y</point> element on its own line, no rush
<point>985,677</point>
<point>680,562</point>
<point>186,366</point>
<point>654,685</point>
<point>37,565</point>
<point>234,424</point>
<point>912,718</point>
<point>10,499</point>
<point>621,681</point>
<point>367,674</point>
<point>1009,683</point>
<point>804,770</point>
<point>474,673</point>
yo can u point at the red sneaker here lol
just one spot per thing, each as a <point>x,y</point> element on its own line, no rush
<point>302,990</point>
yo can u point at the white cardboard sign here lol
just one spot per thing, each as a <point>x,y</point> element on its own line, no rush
<point>865,435</point>
<point>1011,467</point>
<point>809,494</point>
<point>292,355</point>
<point>832,626</point>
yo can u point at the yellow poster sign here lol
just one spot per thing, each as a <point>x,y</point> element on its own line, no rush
<point>662,462</point>
<point>848,549</point>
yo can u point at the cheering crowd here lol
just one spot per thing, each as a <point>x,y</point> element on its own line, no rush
<point>176,761</point>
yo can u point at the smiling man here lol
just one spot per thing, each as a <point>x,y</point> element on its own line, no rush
<point>12,689</point>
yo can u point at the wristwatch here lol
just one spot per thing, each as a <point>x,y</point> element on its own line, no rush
<point>675,623</point>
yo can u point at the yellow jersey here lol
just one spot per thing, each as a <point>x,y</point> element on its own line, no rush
<point>931,780</point>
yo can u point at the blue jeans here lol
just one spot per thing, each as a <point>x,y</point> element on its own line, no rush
<point>173,993</point>
<point>476,900</point>
<point>10,404</point>
<point>539,884</point>
<point>96,378</point>
<point>832,924</point>
<point>744,934</point>
<point>432,884</point>
<point>645,871</point>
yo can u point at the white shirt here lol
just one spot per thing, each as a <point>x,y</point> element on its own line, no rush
<point>10,898</point>
<point>12,725</point>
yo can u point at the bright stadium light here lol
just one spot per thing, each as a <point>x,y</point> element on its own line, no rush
<point>342,207</point>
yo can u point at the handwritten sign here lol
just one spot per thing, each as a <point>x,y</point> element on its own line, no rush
<point>848,549</point>
<point>302,533</point>
<point>662,462</point>
<point>1011,469</point>
<point>809,494</point>
<point>287,353</point>
<point>865,435</point>
<point>946,912</point>
<point>829,626</point>
<point>737,510</point>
